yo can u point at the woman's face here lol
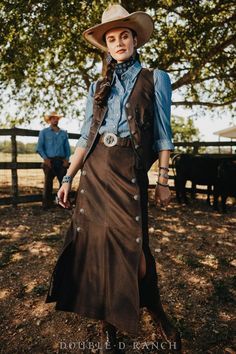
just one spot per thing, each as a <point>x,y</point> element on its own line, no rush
<point>120,43</point>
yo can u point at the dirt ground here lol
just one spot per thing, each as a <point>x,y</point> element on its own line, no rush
<point>194,250</point>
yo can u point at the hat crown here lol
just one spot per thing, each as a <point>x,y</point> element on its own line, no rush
<point>114,12</point>
<point>52,114</point>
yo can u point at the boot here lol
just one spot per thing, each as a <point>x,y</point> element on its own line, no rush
<point>109,343</point>
<point>168,331</point>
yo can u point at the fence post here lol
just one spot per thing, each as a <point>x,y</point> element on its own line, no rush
<point>14,177</point>
<point>195,147</point>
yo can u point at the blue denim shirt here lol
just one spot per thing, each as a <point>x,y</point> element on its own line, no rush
<point>115,120</point>
<point>52,144</point>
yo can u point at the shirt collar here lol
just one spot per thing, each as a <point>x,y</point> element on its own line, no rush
<point>50,128</point>
<point>130,74</point>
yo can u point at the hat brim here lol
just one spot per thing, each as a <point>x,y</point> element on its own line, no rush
<point>139,21</point>
<point>47,117</point>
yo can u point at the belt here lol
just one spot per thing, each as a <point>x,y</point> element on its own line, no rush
<point>110,139</point>
<point>57,158</point>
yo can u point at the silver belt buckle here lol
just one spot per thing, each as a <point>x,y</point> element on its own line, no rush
<point>109,139</point>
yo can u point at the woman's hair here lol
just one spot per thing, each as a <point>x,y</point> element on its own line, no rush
<point>105,84</point>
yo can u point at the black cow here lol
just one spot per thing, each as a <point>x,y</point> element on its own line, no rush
<point>225,185</point>
<point>199,169</point>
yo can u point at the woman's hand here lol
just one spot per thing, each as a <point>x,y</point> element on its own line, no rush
<point>162,195</point>
<point>62,195</point>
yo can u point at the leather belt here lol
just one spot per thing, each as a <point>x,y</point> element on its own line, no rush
<point>110,139</point>
<point>57,158</point>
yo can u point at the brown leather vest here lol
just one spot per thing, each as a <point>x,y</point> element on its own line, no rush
<point>140,116</point>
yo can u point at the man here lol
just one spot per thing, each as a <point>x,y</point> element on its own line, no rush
<point>53,146</point>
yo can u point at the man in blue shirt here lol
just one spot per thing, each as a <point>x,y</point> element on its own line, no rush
<point>53,146</point>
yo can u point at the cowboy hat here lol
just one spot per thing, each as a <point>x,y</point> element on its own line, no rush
<point>51,114</point>
<point>116,16</point>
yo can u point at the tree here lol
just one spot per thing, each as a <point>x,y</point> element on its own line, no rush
<point>184,129</point>
<point>44,61</point>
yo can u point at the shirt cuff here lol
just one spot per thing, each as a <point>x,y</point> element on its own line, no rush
<point>82,142</point>
<point>163,145</point>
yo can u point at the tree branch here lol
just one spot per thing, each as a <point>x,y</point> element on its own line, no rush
<point>187,78</point>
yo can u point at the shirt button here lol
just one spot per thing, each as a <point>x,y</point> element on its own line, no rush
<point>137,218</point>
<point>84,172</point>
<point>78,229</point>
<point>133,180</point>
<point>133,132</point>
<point>129,117</point>
<point>136,146</point>
<point>138,239</point>
<point>81,211</point>
<point>82,191</point>
<point>136,196</point>
<point>127,105</point>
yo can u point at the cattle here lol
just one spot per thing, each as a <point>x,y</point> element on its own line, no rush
<point>225,185</point>
<point>199,169</point>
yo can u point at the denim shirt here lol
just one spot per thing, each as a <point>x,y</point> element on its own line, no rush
<point>115,120</point>
<point>52,144</point>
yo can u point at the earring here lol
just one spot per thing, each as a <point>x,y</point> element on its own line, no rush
<point>108,58</point>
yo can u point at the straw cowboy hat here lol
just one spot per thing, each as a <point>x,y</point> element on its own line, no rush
<point>51,114</point>
<point>116,16</point>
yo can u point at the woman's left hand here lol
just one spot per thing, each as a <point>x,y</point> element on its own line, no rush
<point>162,195</point>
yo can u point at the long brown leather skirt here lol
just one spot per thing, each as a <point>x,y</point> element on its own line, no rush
<point>96,274</point>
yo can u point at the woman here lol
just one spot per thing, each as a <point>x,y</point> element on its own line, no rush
<point>106,270</point>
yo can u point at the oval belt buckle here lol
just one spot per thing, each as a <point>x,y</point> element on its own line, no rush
<point>109,139</point>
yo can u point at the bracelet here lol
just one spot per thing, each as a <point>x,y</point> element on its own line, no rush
<point>162,184</point>
<point>67,179</point>
<point>163,168</point>
<point>165,175</point>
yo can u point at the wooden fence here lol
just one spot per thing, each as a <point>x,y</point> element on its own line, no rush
<point>14,165</point>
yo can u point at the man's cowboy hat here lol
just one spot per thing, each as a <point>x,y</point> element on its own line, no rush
<point>116,16</point>
<point>51,114</point>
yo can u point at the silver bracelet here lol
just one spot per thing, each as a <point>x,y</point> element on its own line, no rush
<point>67,179</point>
<point>165,175</point>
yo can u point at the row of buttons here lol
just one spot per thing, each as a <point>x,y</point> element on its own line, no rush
<point>136,197</point>
<point>138,239</point>
<point>136,146</point>
<point>133,180</point>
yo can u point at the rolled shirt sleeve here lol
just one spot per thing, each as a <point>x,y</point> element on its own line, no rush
<point>162,112</point>
<point>82,142</point>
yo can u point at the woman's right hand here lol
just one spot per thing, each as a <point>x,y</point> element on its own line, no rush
<point>63,194</point>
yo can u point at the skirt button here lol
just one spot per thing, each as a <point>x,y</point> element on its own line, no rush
<point>82,191</point>
<point>138,239</point>
<point>136,196</point>
<point>78,229</point>
<point>133,180</point>
<point>81,211</point>
<point>84,172</point>
<point>137,218</point>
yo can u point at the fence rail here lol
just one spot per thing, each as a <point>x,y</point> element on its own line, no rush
<point>14,165</point>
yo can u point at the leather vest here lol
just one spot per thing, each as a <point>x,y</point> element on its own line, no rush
<point>140,116</point>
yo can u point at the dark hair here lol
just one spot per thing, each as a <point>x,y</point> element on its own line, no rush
<point>105,83</point>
